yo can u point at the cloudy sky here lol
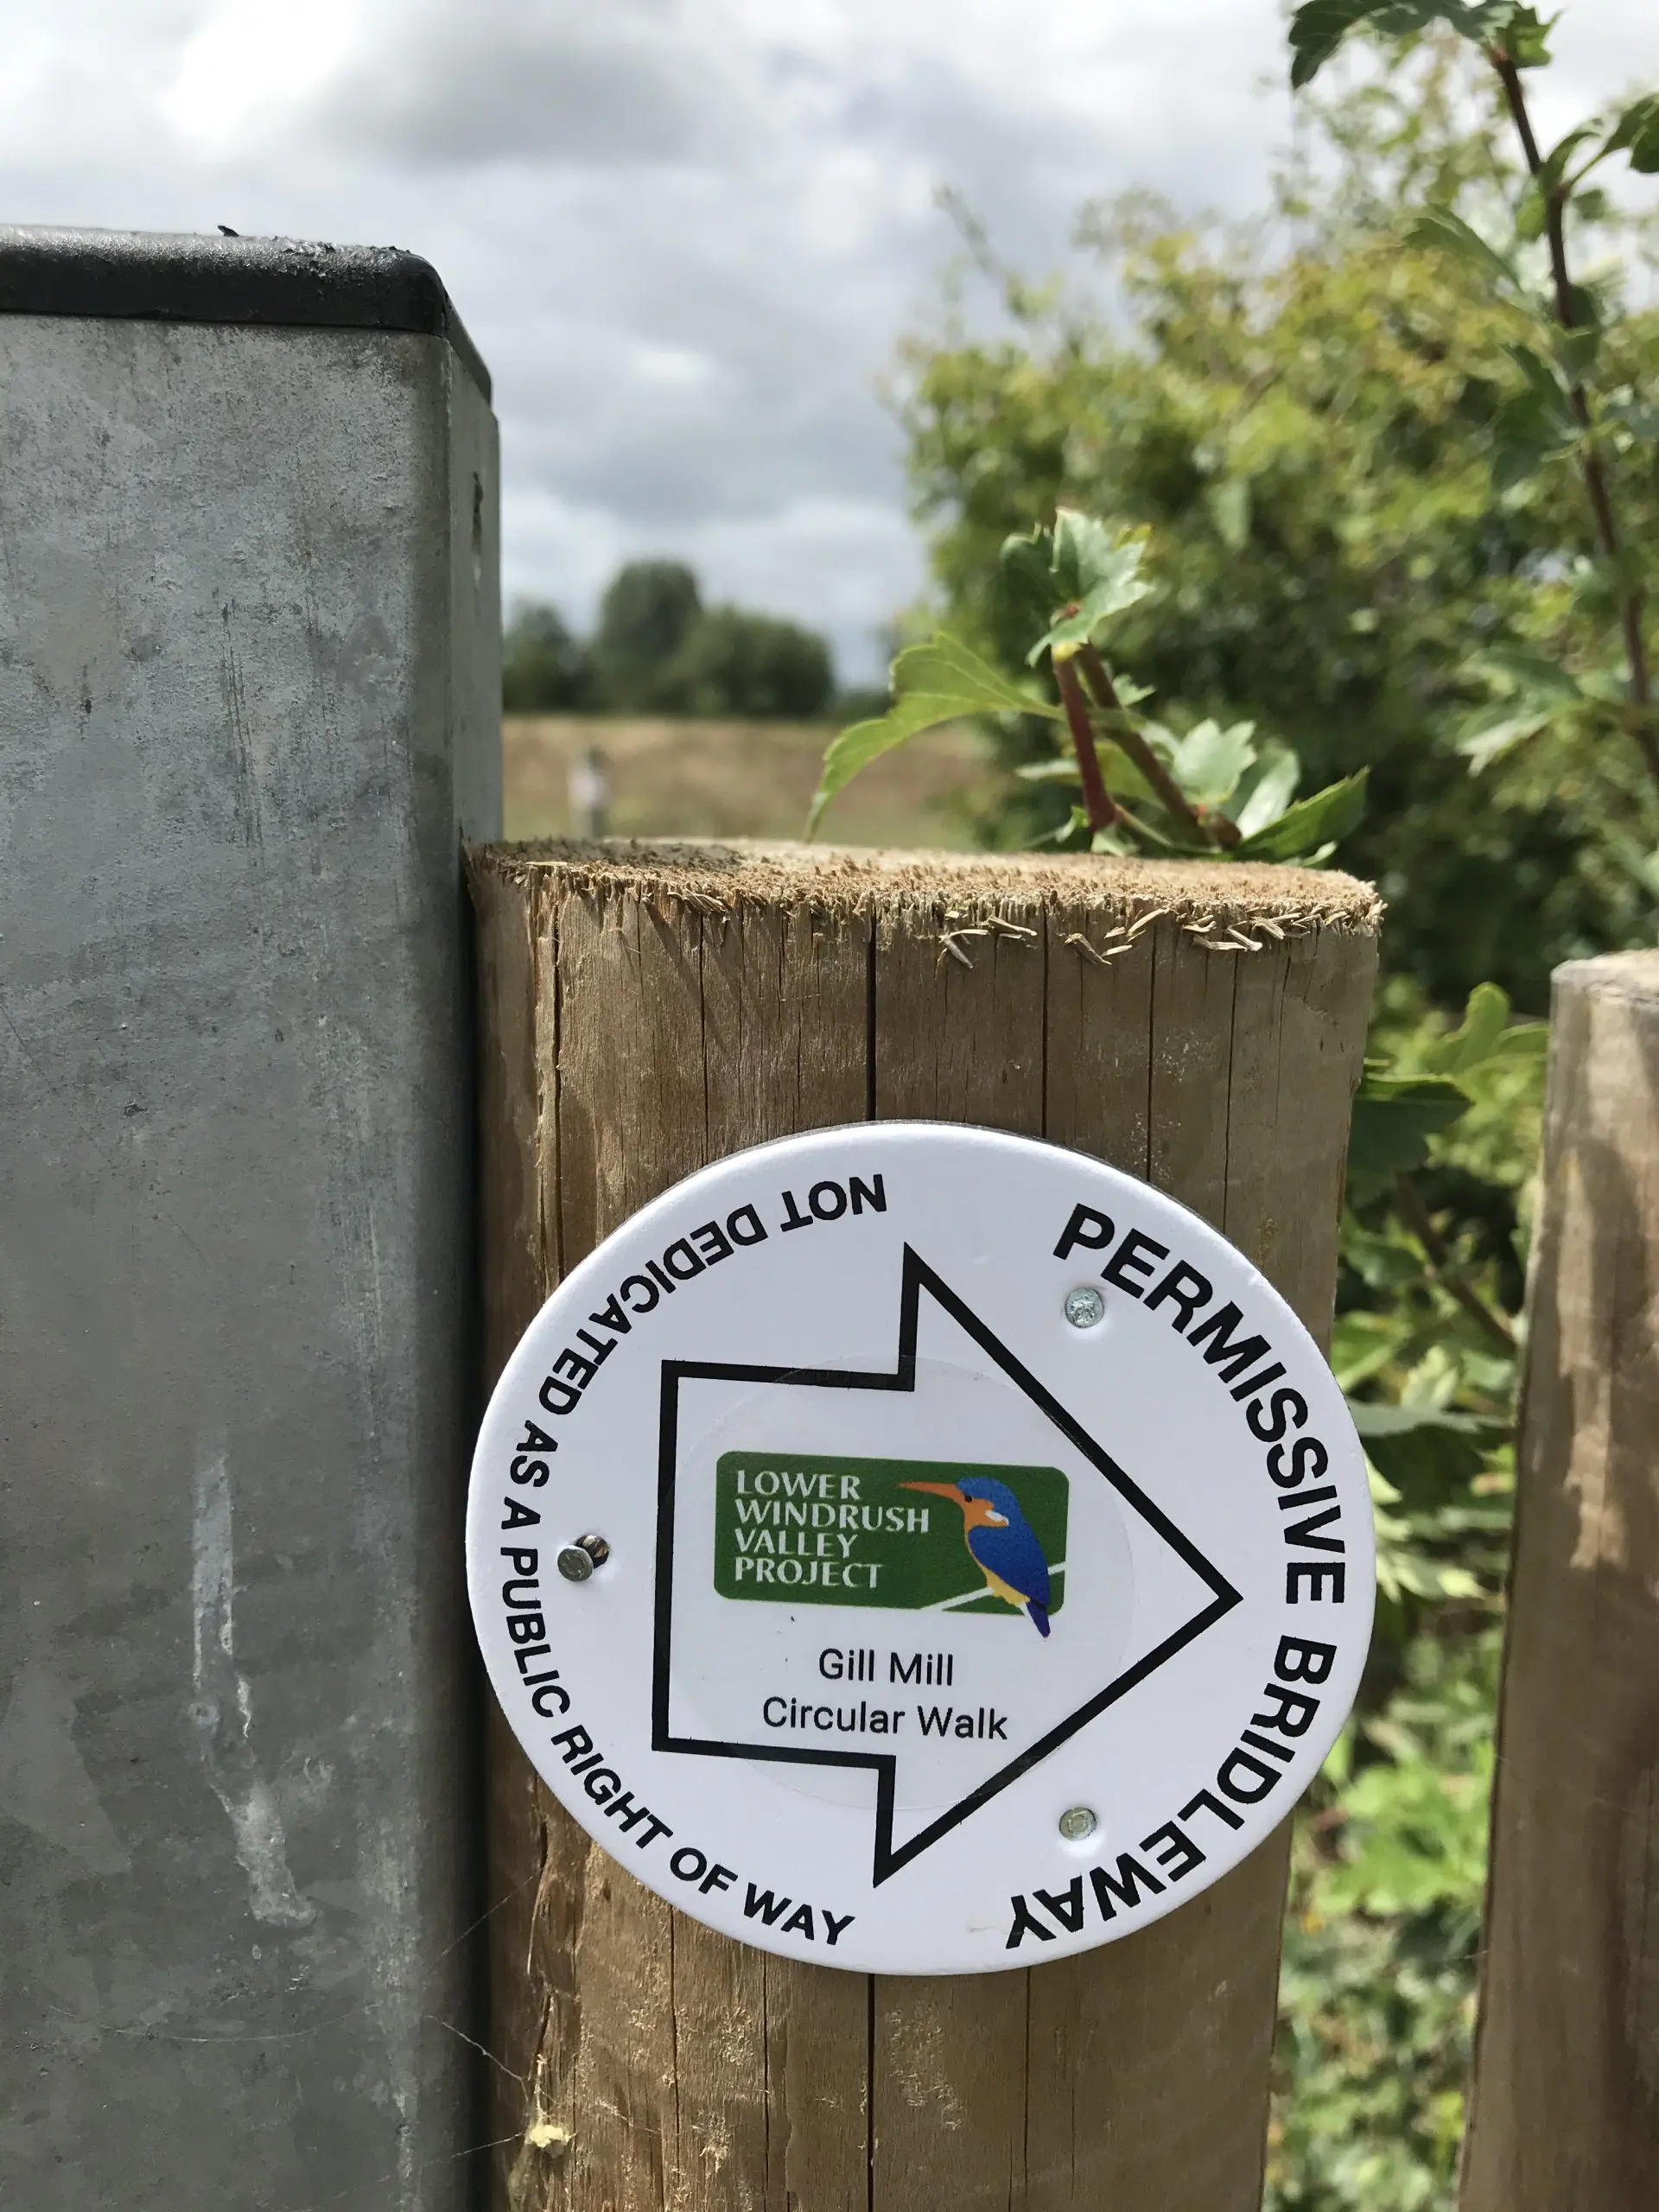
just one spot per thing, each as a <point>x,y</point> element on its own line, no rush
<point>686,234</point>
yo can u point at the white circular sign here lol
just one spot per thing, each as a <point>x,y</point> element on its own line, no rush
<point>920,1550</point>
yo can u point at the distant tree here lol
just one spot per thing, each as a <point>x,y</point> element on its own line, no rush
<point>545,668</point>
<point>858,702</point>
<point>658,650</point>
<point>645,617</point>
<point>752,666</point>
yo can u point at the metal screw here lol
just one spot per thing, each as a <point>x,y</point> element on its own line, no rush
<point>577,1562</point>
<point>1084,1306</point>
<point>1076,1823</point>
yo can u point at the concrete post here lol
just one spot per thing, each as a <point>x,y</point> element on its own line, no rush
<point>249,708</point>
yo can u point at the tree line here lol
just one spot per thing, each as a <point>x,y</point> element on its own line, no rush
<point>657,649</point>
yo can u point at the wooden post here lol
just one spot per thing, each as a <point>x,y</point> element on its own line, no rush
<point>1566,2115</point>
<point>647,1010</point>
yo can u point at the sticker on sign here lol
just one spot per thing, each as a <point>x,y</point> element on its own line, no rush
<point>985,1553</point>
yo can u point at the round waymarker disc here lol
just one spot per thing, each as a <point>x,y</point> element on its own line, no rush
<point>920,1550</point>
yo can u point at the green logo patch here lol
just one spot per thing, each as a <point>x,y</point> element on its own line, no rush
<point>805,1528</point>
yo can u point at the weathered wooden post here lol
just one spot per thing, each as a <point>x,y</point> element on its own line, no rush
<point>1566,2111</point>
<point>648,1010</point>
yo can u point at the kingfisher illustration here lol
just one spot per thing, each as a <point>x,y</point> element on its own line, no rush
<point>1000,1541</point>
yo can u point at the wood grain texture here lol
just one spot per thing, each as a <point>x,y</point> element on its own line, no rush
<point>514,1285</point>
<point>514,1279</point>
<point>1565,2109</point>
<point>957,1042</point>
<point>646,2062</point>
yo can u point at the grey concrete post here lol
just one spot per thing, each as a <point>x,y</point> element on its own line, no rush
<point>248,707</point>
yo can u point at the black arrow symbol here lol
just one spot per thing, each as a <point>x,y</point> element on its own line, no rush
<point>917,1277</point>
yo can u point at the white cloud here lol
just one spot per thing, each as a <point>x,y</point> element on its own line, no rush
<point>247,71</point>
<point>685,233</point>
<point>560,83</point>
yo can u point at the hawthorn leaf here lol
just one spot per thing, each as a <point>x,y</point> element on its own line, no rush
<point>1395,1117</point>
<point>1536,692</point>
<point>947,668</point>
<point>1026,564</point>
<point>1265,789</point>
<point>940,682</point>
<point>1542,380</point>
<point>856,746</point>
<point>1208,760</point>
<point>1446,232</point>
<point>1317,29</point>
<point>1636,133</point>
<point>1371,1418</point>
<point>1118,773</point>
<point>1575,352</point>
<point>1640,418</point>
<point>1526,37</point>
<point>1484,741</point>
<point>1523,1040</point>
<point>1531,674</point>
<point>1088,553</point>
<point>1528,431</point>
<point>1097,571</point>
<point>1485,1018</point>
<point>1553,168</point>
<point>1542,189</point>
<point>1320,821</point>
<point>1230,510</point>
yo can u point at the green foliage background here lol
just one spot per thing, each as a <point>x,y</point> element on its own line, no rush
<point>1301,414</point>
<point>1349,440</point>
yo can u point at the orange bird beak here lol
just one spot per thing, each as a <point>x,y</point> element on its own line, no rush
<point>938,1490</point>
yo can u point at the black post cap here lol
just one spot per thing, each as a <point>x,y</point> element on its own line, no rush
<point>177,276</point>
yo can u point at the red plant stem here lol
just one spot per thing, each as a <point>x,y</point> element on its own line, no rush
<point>1631,602</point>
<point>1214,828</point>
<point>1408,1201</point>
<point>1097,800</point>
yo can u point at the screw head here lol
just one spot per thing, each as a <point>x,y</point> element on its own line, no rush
<point>1077,1822</point>
<point>1085,1307</point>
<point>576,1561</point>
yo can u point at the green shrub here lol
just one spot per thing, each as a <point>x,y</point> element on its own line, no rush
<point>1381,503</point>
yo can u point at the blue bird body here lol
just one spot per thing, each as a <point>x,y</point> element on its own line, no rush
<point>1001,1542</point>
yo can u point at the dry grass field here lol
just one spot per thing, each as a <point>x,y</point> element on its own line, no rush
<point>736,780</point>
